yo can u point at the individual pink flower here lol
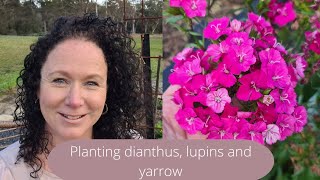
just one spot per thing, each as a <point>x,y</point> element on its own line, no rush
<point>177,98</point>
<point>285,100</point>
<point>258,20</point>
<point>211,83</point>
<point>266,113</point>
<point>224,73</point>
<point>314,45</point>
<point>185,72</point>
<point>278,76</point>
<point>188,97</point>
<point>206,60</point>
<point>208,117</point>
<point>293,75</point>
<point>272,134</point>
<point>276,45</point>
<point>217,28</point>
<point>285,123</point>
<point>199,86</point>
<point>194,8</point>
<point>310,36</point>
<point>238,119</point>
<point>189,121</point>
<point>300,117</point>
<point>221,130</point>
<point>182,56</point>
<point>239,39</point>
<point>299,66</point>
<point>230,112</point>
<point>242,57</point>
<point>269,41</point>
<point>235,25</point>
<point>175,3</point>
<point>196,84</point>
<point>254,131</point>
<point>282,14</point>
<point>251,86</point>
<point>270,57</point>
<point>216,51</point>
<point>315,19</point>
<point>216,100</point>
<point>257,23</point>
<point>235,127</point>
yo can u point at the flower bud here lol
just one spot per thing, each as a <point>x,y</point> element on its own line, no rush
<point>267,100</point>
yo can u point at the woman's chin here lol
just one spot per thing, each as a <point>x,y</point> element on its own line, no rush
<point>74,136</point>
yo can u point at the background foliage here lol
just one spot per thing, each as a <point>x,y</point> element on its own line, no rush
<point>28,17</point>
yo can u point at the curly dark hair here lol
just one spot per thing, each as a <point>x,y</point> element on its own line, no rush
<point>124,79</point>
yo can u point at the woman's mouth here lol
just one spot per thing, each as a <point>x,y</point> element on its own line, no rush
<point>72,117</point>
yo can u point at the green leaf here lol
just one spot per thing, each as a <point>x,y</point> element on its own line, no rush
<point>180,28</point>
<point>174,11</point>
<point>201,42</point>
<point>193,45</point>
<point>174,19</point>
<point>308,92</point>
<point>195,33</point>
<point>315,81</point>
<point>267,91</point>
<point>264,10</point>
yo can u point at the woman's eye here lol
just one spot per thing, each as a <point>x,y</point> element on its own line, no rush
<point>92,83</point>
<point>59,81</point>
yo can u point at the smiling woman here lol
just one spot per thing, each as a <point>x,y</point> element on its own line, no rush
<point>80,81</point>
<point>73,89</point>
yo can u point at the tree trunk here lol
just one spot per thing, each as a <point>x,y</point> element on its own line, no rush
<point>126,25</point>
<point>133,27</point>
<point>106,8</point>
<point>145,27</point>
<point>97,7</point>
<point>45,27</point>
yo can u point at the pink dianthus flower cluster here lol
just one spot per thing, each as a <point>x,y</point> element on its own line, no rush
<point>192,8</point>
<point>281,13</point>
<point>313,40</point>
<point>242,86</point>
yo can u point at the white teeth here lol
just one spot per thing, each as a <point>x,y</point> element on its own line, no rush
<point>72,117</point>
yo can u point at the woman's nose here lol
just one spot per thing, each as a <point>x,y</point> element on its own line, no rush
<point>74,98</point>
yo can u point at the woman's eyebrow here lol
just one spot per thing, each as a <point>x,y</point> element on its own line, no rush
<point>65,73</point>
<point>94,76</point>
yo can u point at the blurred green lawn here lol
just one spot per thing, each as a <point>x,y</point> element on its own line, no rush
<point>13,50</point>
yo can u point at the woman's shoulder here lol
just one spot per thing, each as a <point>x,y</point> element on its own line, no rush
<point>9,154</point>
<point>8,158</point>
<point>9,169</point>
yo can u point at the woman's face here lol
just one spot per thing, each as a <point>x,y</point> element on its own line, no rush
<point>73,89</point>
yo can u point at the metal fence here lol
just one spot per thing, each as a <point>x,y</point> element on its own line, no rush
<point>9,133</point>
<point>152,94</point>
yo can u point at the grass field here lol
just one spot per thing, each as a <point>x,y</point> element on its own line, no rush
<point>13,50</point>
